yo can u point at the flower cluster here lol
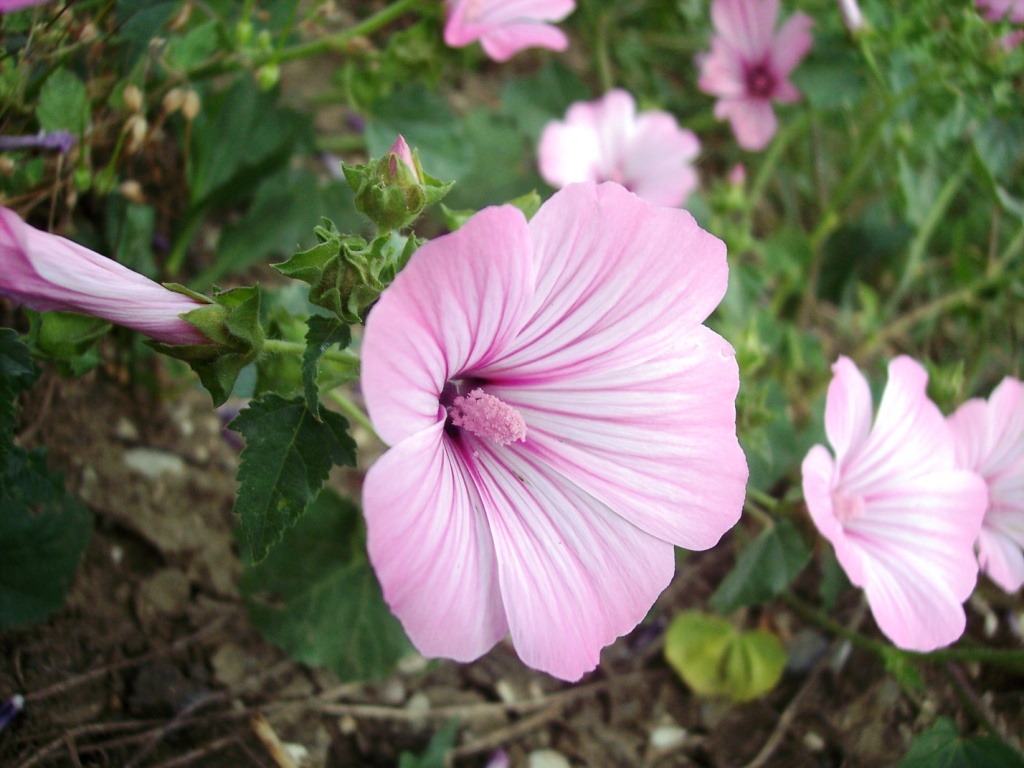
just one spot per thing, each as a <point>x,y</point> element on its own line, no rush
<point>904,499</point>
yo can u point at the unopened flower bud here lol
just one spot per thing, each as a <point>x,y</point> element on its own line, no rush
<point>132,98</point>
<point>88,33</point>
<point>181,18</point>
<point>268,76</point>
<point>738,175</point>
<point>191,105</point>
<point>851,15</point>
<point>131,190</point>
<point>395,190</point>
<point>137,128</point>
<point>173,100</point>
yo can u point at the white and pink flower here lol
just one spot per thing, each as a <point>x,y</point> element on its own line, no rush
<point>901,515</point>
<point>997,10</point>
<point>506,27</point>
<point>606,140</point>
<point>749,65</point>
<point>559,419</point>
<point>989,439</point>
<point>48,272</point>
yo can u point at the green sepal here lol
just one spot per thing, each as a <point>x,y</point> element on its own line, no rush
<point>529,203</point>
<point>391,193</point>
<point>231,320</point>
<point>454,219</point>
<point>345,273</point>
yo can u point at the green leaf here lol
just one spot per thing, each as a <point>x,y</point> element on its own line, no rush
<point>239,137</point>
<point>941,747</point>
<point>43,531</point>
<point>323,333</point>
<point>287,457</point>
<point>17,374</point>
<point>714,659</point>
<point>68,340</point>
<point>63,103</point>
<point>434,757</point>
<point>316,596</point>
<point>532,102</point>
<point>764,569</point>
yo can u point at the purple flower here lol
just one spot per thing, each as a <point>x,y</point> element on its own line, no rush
<point>506,27</point>
<point>901,516</point>
<point>48,272</point>
<point>749,65</point>
<point>605,140</point>
<point>558,418</point>
<point>990,441</point>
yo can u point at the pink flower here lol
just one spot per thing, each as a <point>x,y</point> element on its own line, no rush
<point>852,16</point>
<point>995,10</point>
<point>505,27</point>
<point>749,67</point>
<point>901,516</point>
<point>48,272</point>
<point>990,441</point>
<point>558,418</point>
<point>605,140</point>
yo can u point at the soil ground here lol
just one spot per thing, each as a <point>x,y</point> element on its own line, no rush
<point>152,661</point>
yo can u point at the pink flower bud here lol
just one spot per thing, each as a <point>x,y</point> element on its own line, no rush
<point>851,15</point>
<point>47,272</point>
<point>400,150</point>
<point>738,175</point>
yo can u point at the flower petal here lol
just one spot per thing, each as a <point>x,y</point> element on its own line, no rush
<point>1001,548</point>
<point>609,295</point>
<point>459,301</point>
<point>753,121</point>
<point>657,161</point>
<point>655,441</point>
<point>747,24</point>
<point>430,544</point>
<point>848,410</point>
<point>504,42</point>
<point>791,43</point>
<point>574,575</point>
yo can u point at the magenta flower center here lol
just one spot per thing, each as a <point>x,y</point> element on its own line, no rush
<point>760,81</point>
<point>488,417</point>
<point>846,506</point>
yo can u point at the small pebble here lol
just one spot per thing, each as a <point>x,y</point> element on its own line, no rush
<point>547,758</point>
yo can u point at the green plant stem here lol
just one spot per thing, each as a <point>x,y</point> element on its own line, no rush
<point>353,411</point>
<point>604,64</point>
<point>281,347</point>
<point>331,43</point>
<point>915,254</point>
<point>1010,660</point>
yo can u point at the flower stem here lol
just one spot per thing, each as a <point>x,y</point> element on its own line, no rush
<point>353,411</point>
<point>1007,659</point>
<point>341,356</point>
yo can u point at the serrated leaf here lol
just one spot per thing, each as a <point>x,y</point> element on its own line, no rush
<point>764,569</point>
<point>287,457</point>
<point>323,333</point>
<point>941,747</point>
<point>714,659</point>
<point>43,531</point>
<point>316,596</point>
<point>63,103</point>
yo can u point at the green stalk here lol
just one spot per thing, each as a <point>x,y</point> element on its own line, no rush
<point>915,255</point>
<point>282,347</point>
<point>353,411</point>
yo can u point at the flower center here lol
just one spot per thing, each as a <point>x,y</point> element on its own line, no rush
<point>760,81</point>
<point>488,417</point>
<point>846,507</point>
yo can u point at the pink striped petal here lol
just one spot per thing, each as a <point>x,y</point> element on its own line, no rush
<point>574,575</point>
<point>485,272</point>
<point>654,441</point>
<point>746,24</point>
<point>791,43</point>
<point>753,121</point>
<point>603,260</point>
<point>430,545</point>
<point>848,411</point>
